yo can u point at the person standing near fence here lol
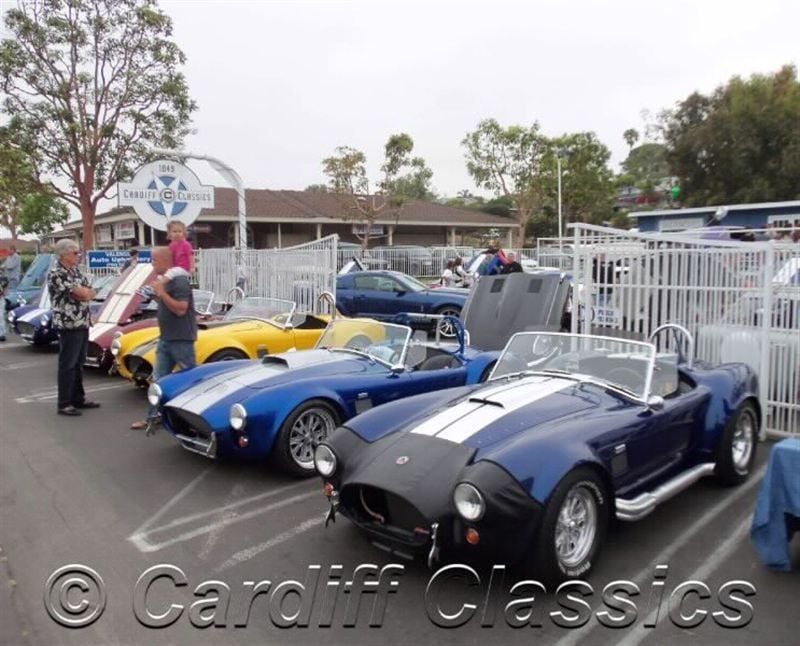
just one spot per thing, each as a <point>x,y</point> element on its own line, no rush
<point>176,324</point>
<point>70,294</point>
<point>13,266</point>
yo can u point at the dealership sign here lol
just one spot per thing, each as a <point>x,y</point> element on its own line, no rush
<point>113,259</point>
<point>165,190</point>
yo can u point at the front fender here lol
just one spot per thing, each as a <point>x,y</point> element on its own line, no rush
<point>539,465</point>
<point>730,385</point>
<point>270,408</point>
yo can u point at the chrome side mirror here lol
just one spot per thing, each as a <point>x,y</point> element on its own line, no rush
<point>655,402</point>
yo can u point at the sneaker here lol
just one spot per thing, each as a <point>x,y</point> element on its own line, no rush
<point>69,410</point>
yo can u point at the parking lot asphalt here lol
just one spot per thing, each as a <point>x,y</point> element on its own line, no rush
<point>171,533</point>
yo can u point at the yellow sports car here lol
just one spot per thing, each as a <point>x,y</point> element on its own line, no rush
<point>252,328</point>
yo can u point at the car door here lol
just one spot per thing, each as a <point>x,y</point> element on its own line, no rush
<point>391,297</point>
<point>653,442</point>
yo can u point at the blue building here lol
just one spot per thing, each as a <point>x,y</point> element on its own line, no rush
<point>766,215</point>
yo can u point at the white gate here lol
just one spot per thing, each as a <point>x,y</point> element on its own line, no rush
<point>299,273</point>
<point>740,300</point>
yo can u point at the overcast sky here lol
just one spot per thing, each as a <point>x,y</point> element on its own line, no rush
<point>280,84</point>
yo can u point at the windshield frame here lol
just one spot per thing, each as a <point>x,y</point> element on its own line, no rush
<point>255,317</point>
<point>371,322</point>
<point>648,348</point>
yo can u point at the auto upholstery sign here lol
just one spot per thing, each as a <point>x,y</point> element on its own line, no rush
<point>165,190</point>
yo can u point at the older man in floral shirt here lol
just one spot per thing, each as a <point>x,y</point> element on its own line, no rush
<point>70,293</point>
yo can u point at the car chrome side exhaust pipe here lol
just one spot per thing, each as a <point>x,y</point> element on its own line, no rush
<point>645,503</point>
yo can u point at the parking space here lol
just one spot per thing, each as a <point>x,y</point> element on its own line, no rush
<point>88,490</point>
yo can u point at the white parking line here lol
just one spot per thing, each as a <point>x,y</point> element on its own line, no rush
<point>213,537</point>
<point>218,510</point>
<point>22,365</point>
<point>721,552</point>
<point>663,557</point>
<point>172,502</point>
<point>146,546</point>
<point>251,552</point>
<point>52,393</point>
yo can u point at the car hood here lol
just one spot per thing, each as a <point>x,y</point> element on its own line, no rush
<point>31,314</point>
<point>124,300</point>
<point>285,369</point>
<point>499,306</point>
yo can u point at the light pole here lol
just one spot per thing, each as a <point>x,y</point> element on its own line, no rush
<point>558,162</point>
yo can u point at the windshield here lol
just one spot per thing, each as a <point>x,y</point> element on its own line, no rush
<point>412,283</point>
<point>37,272</point>
<point>103,285</point>
<point>270,310</point>
<point>386,342</point>
<point>618,362</point>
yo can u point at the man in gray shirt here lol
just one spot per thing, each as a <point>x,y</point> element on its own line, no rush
<point>176,323</point>
<point>13,266</point>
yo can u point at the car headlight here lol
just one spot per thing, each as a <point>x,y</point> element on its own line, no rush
<point>238,417</point>
<point>469,502</point>
<point>324,461</point>
<point>116,345</point>
<point>46,320</point>
<point>154,394</point>
<point>11,316</point>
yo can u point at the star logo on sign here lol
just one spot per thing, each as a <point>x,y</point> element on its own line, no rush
<point>167,187</point>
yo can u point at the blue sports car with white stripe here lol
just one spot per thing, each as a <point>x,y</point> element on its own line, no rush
<point>283,405</point>
<point>569,431</point>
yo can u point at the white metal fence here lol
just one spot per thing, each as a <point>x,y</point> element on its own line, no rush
<point>740,300</point>
<point>299,273</point>
<point>429,262</point>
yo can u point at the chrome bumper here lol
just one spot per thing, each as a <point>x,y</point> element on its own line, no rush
<point>206,448</point>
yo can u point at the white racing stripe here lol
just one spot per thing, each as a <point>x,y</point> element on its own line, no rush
<point>121,297</point>
<point>210,391</point>
<point>32,315</point>
<point>464,420</point>
<point>99,330</point>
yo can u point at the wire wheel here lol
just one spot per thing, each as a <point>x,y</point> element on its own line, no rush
<point>309,428</point>
<point>576,527</point>
<point>742,443</point>
<point>446,328</point>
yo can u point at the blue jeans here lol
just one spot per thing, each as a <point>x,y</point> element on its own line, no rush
<point>170,354</point>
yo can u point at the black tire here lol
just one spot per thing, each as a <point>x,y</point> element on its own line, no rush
<point>582,489</point>
<point>306,426</point>
<point>737,449</point>
<point>229,354</point>
<point>445,327</point>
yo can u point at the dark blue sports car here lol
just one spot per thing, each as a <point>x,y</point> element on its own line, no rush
<point>569,431</point>
<point>285,404</point>
<point>384,294</point>
<point>32,283</point>
<point>33,322</point>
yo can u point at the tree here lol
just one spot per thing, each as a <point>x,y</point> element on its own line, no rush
<point>41,213</point>
<point>316,188</point>
<point>587,184</point>
<point>509,162</point>
<point>740,144</point>
<point>26,206</point>
<point>631,136</point>
<point>95,83</point>
<point>348,179</point>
